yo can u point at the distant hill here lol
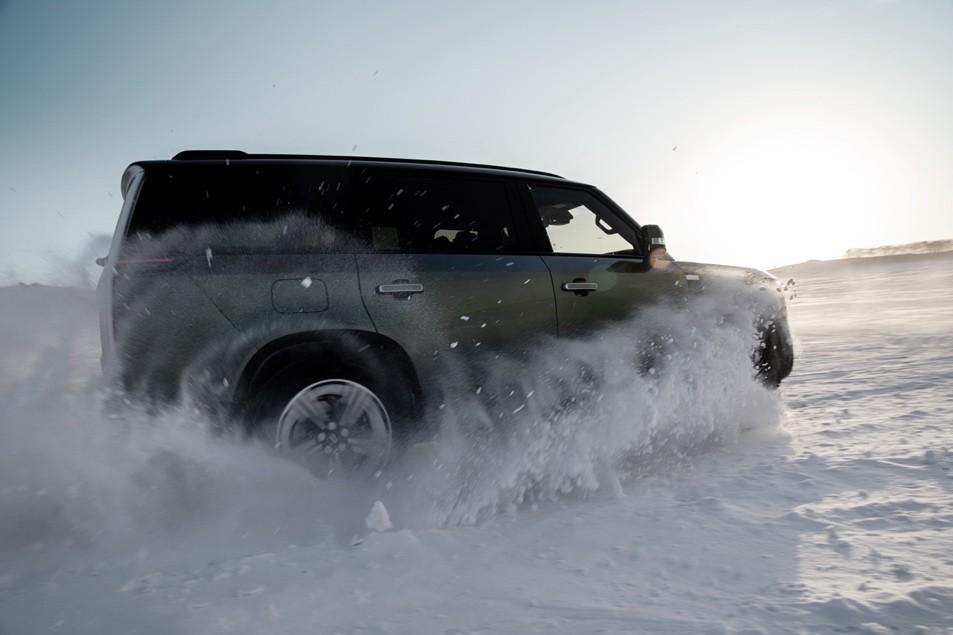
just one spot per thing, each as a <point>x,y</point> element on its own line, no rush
<point>922,247</point>
<point>886,261</point>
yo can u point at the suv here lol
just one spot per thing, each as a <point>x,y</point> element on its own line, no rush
<point>321,298</point>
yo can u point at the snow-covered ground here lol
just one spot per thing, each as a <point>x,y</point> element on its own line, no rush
<point>831,513</point>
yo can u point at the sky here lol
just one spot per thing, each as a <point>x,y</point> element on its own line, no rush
<point>755,133</point>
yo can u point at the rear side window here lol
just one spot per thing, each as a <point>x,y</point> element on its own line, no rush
<point>282,207</point>
<point>423,213</point>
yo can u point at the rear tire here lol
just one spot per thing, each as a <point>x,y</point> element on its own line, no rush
<point>341,425</point>
<point>336,426</point>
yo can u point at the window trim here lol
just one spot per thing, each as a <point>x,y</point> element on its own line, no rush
<point>628,228</point>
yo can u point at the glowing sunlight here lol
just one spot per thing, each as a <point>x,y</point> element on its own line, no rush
<point>828,186</point>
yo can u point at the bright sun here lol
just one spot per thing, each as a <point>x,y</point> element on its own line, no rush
<point>816,190</point>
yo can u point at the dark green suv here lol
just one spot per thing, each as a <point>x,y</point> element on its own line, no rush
<point>325,296</point>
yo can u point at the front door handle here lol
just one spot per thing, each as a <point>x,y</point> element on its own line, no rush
<point>580,286</point>
<point>400,289</point>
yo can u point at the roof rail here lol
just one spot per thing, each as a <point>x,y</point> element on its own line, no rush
<point>219,155</point>
<point>209,155</point>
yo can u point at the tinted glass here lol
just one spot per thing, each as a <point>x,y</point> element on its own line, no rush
<point>433,213</point>
<point>576,222</point>
<point>244,205</point>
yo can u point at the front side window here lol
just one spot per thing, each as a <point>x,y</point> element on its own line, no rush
<point>418,213</point>
<point>577,223</point>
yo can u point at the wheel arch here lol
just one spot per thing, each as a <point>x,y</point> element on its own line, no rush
<point>326,352</point>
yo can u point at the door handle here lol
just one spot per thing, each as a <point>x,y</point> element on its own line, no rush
<point>400,289</point>
<point>579,286</point>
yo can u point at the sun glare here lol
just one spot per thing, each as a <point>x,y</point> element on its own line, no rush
<point>817,190</point>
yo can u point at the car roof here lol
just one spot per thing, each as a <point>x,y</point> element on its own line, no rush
<point>237,155</point>
<point>221,156</point>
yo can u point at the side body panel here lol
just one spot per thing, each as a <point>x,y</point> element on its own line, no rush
<point>622,287</point>
<point>471,307</point>
<point>164,327</point>
<point>206,318</point>
<point>268,297</point>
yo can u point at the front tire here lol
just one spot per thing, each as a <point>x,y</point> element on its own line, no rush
<point>774,357</point>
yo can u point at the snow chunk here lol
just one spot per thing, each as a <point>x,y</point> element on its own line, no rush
<point>306,283</point>
<point>454,344</point>
<point>378,519</point>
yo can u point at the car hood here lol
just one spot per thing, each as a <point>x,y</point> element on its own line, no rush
<point>745,275</point>
<point>761,289</point>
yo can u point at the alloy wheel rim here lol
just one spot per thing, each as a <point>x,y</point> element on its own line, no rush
<point>336,427</point>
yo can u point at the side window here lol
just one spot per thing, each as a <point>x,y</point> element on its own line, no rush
<point>243,206</point>
<point>577,223</point>
<point>434,213</point>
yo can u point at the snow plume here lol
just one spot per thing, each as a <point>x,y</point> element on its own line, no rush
<point>576,418</point>
<point>76,477</point>
<point>585,416</point>
<point>83,475</point>
<point>80,270</point>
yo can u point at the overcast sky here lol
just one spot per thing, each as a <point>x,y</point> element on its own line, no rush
<point>756,133</point>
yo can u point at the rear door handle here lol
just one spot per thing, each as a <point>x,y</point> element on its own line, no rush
<point>400,289</point>
<point>580,287</point>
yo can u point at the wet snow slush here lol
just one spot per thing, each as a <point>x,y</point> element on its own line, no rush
<point>826,507</point>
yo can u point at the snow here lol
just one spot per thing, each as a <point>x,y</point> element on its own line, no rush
<point>378,519</point>
<point>826,507</point>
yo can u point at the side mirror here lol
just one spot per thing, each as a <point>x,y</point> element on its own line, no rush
<point>654,241</point>
<point>653,238</point>
<point>101,261</point>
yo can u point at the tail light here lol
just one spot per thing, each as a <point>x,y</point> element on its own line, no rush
<point>149,263</point>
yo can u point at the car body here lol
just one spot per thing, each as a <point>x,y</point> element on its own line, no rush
<point>270,274</point>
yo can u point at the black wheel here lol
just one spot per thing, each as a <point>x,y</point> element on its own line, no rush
<point>772,359</point>
<point>342,425</point>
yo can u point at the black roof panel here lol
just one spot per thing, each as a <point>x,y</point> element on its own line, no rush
<point>238,155</point>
